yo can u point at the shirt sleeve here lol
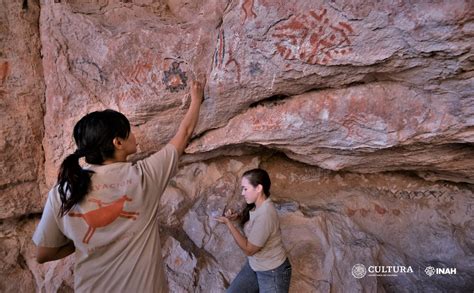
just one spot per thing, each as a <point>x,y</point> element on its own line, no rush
<point>261,230</point>
<point>160,167</point>
<point>47,233</point>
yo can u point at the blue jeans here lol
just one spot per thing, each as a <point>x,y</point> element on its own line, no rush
<point>271,281</point>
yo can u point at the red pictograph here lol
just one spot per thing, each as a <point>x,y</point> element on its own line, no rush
<point>247,8</point>
<point>223,56</point>
<point>104,215</point>
<point>3,71</point>
<point>312,38</point>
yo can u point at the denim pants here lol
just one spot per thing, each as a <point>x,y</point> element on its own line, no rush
<point>271,281</point>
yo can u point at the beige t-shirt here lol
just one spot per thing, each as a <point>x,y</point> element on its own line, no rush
<point>115,229</point>
<point>263,230</point>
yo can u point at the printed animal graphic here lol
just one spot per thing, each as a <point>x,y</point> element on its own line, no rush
<point>104,215</point>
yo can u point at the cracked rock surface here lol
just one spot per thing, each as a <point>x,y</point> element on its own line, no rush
<point>361,111</point>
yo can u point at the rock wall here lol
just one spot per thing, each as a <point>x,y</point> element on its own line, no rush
<point>361,111</point>
<point>22,99</point>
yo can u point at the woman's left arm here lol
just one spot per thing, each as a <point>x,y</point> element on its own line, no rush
<point>45,254</point>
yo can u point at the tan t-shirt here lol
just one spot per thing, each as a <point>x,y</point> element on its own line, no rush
<point>115,229</point>
<point>263,230</point>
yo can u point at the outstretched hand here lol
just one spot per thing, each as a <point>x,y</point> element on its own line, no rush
<point>222,219</point>
<point>197,91</point>
<point>229,216</point>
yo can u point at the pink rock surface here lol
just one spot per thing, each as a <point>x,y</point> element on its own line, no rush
<point>362,112</point>
<point>257,50</point>
<point>21,110</point>
<point>367,128</point>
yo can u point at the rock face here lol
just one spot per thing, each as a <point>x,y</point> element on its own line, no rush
<point>361,111</point>
<point>21,110</point>
<point>377,127</point>
<point>21,131</point>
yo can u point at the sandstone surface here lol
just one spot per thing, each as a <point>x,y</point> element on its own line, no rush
<point>361,111</point>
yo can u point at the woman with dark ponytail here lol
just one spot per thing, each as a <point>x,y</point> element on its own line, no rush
<point>105,211</point>
<point>267,268</point>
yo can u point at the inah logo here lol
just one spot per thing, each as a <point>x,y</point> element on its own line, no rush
<point>358,271</point>
<point>430,271</point>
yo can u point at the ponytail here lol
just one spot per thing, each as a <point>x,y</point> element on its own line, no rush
<point>245,215</point>
<point>73,182</point>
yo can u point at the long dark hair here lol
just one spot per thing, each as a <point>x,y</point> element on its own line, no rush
<point>94,135</point>
<point>255,177</point>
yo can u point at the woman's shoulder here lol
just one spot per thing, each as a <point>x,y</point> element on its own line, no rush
<point>268,209</point>
<point>165,155</point>
<point>269,205</point>
<point>53,196</point>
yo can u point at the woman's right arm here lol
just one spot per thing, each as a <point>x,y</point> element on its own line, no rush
<point>45,254</point>
<point>186,128</point>
<point>248,248</point>
<point>51,243</point>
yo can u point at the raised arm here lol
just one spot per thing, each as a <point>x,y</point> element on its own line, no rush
<point>186,128</point>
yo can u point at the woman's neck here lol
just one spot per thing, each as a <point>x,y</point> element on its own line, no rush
<point>119,157</point>
<point>261,198</point>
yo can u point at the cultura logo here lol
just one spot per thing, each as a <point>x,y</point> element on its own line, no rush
<point>359,271</point>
